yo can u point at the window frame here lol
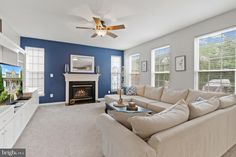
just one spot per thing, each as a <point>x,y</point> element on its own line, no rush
<point>153,66</point>
<point>130,67</point>
<point>197,55</point>
<point>38,72</point>
<point>116,73</point>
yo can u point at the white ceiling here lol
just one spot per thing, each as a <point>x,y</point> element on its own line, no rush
<point>144,19</point>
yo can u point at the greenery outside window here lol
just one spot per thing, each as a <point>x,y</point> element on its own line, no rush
<point>115,73</point>
<point>160,66</point>
<point>134,74</point>
<point>215,61</point>
<point>35,69</point>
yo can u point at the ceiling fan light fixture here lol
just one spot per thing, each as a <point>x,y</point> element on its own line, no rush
<point>101,29</point>
<point>101,33</point>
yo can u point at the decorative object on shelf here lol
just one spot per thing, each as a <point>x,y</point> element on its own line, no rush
<point>180,63</point>
<point>120,101</point>
<point>82,64</point>
<point>97,69</point>
<point>67,69</point>
<point>144,66</point>
<point>132,106</point>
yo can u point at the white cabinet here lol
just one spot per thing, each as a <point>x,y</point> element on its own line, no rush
<point>9,50</point>
<point>18,124</point>
<point>2,138</point>
<point>6,126</point>
<point>9,135</point>
<point>13,122</point>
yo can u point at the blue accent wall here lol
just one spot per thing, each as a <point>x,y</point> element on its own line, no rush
<point>57,54</point>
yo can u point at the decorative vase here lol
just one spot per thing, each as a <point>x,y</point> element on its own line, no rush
<point>120,101</point>
<point>97,69</point>
<point>66,68</point>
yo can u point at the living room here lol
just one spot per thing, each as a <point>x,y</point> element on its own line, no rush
<point>95,78</point>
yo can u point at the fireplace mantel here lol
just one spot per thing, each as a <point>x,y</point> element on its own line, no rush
<point>80,77</point>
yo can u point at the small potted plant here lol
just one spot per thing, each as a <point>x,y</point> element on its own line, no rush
<point>4,96</point>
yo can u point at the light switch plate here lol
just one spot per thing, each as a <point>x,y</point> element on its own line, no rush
<point>51,75</point>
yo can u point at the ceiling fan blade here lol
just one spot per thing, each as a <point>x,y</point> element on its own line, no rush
<point>97,21</point>
<point>112,34</point>
<point>85,28</point>
<point>115,27</point>
<point>94,35</point>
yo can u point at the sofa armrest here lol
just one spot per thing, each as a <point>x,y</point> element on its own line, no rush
<point>118,141</point>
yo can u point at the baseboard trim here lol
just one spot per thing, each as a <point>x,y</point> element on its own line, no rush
<point>53,103</point>
<point>101,99</point>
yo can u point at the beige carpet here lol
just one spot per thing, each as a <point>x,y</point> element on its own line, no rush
<point>63,131</point>
<point>66,131</point>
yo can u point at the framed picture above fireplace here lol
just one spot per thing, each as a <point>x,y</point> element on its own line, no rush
<point>82,64</point>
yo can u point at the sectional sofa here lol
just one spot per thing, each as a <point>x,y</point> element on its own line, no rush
<point>208,135</point>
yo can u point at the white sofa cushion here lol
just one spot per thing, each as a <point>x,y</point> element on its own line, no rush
<point>173,96</point>
<point>147,126</point>
<point>153,93</point>
<point>198,109</point>
<point>193,94</point>
<point>122,117</point>
<point>142,101</point>
<point>140,90</point>
<point>227,101</point>
<point>158,106</point>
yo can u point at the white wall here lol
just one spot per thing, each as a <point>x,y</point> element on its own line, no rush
<point>181,43</point>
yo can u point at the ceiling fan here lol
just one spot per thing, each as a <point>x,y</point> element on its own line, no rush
<point>101,29</point>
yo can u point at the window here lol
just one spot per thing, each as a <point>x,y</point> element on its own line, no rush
<point>35,68</point>
<point>215,61</point>
<point>115,73</point>
<point>134,75</point>
<point>160,66</point>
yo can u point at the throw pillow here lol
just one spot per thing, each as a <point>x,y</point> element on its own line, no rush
<point>173,96</point>
<point>198,99</point>
<point>149,125</point>
<point>200,108</point>
<point>122,117</point>
<point>153,93</point>
<point>139,90</point>
<point>131,90</point>
<point>193,94</point>
<point>227,101</point>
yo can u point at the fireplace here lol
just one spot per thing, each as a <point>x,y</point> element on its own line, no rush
<point>81,92</point>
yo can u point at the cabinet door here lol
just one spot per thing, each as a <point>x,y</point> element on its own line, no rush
<point>2,138</point>
<point>18,125</point>
<point>9,135</point>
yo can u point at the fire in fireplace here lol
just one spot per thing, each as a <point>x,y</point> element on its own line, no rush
<point>81,92</point>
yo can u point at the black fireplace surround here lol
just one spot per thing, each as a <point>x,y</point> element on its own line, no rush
<point>81,92</point>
